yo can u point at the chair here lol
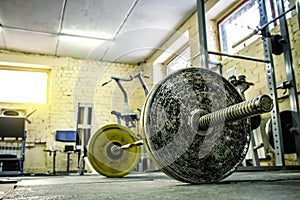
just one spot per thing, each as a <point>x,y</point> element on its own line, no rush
<point>65,136</point>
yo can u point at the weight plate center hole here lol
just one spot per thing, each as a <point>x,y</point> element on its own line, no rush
<point>114,150</point>
<point>195,115</point>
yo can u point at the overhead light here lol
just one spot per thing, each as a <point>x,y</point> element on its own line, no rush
<point>82,40</point>
<point>15,64</point>
<point>74,34</point>
<point>98,35</point>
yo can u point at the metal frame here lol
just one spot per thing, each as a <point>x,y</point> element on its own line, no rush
<point>267,60</point>
<point>290,75</point>
<point>297,4</point>
<point>271,81</point>
<point>84,126</point>
<point>64,136</point>
<point>270,71</point>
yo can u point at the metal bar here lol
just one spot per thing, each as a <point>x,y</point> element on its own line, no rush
<point>238,56</point>
<point>202,33</point>
<point>271,81</point>
<point>276,18</point>
<point>126,109</point>
<point>297,4</point>
<point>254,32</point>
<point>128,146</point>
<point>245,109</point>
<point>255,159</point>
<point>144,85</point>
<point>290,75</point>
<point>84,118</point>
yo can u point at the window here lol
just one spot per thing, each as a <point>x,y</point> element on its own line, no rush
<point>181,61</point>
<point>243,21</point>
<point>23,85</point>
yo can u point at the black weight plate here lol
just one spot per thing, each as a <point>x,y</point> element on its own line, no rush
<point>286,121</point>
<point>180,151</point>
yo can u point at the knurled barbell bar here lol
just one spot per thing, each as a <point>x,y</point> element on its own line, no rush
<point>246,109</point>
<point>195,127</point>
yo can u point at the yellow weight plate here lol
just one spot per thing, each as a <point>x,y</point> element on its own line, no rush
<point>104,154</point>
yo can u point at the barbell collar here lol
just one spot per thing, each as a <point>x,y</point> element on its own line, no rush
<point>246,109</point>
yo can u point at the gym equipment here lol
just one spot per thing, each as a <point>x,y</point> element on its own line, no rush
<point>105,155</point>
<point>288,134</point>
<point>13,141</point>
<point>129,118</point>
<point>195,128</point>
<point>276,44</point>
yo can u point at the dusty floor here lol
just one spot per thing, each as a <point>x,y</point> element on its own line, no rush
<point>153,185</point>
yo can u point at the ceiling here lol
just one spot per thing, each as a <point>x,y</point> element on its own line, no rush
<point>125,31</point>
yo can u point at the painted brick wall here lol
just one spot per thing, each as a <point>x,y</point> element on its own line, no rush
<point>72,81</point>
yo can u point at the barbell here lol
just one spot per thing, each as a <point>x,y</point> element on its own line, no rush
<point>196,129</point>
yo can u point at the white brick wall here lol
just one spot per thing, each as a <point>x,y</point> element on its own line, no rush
<point>72,81</point>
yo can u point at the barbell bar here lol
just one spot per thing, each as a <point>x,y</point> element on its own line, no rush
<point>255,106</point>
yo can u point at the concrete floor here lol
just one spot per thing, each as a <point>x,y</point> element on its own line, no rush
<point>153,185</point>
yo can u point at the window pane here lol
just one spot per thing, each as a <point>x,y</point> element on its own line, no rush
<point>180,62</point>
<point>23,86</point>
<point>238,25</point>
<point>243,21</point>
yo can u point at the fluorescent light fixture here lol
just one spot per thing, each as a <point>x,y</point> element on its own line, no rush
<point>84,34</point>
<point>15,64</point>
<point>81,40</point>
